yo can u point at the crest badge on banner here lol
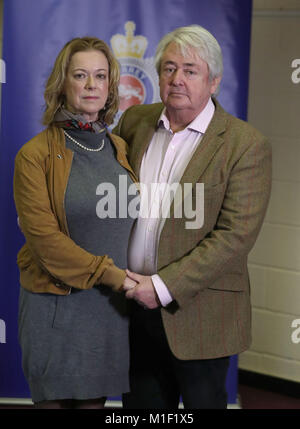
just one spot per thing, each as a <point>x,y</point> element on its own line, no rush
<point>139,79</point>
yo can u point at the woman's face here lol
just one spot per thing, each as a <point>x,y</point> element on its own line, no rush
<point>87,82</point>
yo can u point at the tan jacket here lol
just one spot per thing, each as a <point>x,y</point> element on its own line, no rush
<point>205,269</point>
<point>50,261</point>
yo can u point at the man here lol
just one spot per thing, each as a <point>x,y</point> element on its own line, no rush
<point>191,304</point>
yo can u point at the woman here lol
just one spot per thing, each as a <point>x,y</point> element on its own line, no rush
<point>73,326</point>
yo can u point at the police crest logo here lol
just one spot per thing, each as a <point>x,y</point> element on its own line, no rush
<point>139,80</point>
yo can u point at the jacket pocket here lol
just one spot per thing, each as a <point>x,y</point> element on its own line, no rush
<point>214,191</point>
<point>231,283</point>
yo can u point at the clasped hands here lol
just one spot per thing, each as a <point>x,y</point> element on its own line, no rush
<point>141,289</point>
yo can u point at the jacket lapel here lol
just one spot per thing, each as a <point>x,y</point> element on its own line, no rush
<point>142,138</point>
<point>210,144</point>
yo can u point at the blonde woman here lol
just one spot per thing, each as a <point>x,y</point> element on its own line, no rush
<point>73,325</point>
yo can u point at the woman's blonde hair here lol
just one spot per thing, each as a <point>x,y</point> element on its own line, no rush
<point>53,94</point>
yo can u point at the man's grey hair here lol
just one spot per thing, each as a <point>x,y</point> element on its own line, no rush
<point>196,38</point>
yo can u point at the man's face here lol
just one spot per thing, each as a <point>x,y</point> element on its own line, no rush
<point>184,81</point>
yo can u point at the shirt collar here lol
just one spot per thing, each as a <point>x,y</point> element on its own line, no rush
<point>199,124</point>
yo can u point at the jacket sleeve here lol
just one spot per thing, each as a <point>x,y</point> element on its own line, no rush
<point>55,252</point>
<point>220,258</point>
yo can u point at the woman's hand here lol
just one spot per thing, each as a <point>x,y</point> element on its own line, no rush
<point>145,293</point>
<point>128,284</point>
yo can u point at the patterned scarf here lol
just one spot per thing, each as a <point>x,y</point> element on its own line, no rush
<point>65,119</point>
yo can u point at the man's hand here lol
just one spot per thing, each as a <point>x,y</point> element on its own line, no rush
<point>144,293</point>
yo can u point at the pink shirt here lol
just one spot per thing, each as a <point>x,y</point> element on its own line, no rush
<point>163,165</point>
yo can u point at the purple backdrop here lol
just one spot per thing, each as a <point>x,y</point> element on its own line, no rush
<point>34,32</point>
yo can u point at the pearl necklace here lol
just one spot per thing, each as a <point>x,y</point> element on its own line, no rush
<point>84,147</point>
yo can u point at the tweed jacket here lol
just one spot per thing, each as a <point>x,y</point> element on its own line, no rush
<point>49,261</point>
<point>205,269</point>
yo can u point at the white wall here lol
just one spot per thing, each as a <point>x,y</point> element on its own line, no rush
<point>274,263</point>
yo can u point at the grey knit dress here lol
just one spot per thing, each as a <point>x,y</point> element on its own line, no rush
<point>77,346</point>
